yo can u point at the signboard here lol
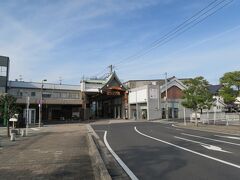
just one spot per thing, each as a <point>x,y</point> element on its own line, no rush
<point>113,93</point>
<point>13,119</point>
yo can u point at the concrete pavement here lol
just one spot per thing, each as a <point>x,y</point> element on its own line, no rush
<point>58,152</point>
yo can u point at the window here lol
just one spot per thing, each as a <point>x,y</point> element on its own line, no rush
<point>3,71</point>
<point>56,95</point>
<point>19,93</point>
<point>33,94</point>
<point>45,95</point>
<point>74,95</point>
<point>175,112</point>
<point>64,95</point>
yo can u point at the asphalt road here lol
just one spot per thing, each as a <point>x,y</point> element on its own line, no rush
<point>161,151</point>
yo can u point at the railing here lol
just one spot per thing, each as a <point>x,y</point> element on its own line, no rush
<point>220,118</point>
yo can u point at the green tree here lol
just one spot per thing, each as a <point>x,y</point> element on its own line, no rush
<point>197,96</point>
<point>231,89</point>
<point>8,108</point>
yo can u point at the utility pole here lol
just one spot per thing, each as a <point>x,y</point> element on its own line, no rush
<point>136,106</point>
<point>27,114</point>
<point>166,96</point>
<point>60,80</point>
<point>40,103</point>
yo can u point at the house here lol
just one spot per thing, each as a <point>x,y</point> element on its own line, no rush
<point>218,104</point>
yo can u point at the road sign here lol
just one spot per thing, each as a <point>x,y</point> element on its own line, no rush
<point>13,119</point>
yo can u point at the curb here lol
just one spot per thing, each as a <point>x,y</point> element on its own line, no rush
<point>99,168</point>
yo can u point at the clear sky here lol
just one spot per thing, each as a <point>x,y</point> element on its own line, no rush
<point>72,38</point>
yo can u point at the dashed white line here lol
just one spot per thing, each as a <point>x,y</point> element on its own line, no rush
<point>124,166</point>
<point>229,137</point>
<point>189,150</point>
<point>226,142</point>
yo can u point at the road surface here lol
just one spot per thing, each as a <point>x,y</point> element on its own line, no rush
<point>160,151</point>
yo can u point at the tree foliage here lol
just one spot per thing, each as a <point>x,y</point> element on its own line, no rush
<point>231,89</point>
<point>8,108</point>
<point>8,105</point>
<point>197,96</point>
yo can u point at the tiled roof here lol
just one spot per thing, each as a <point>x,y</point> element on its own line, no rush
<point>214,88</point>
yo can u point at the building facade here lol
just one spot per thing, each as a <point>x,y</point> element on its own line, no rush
<point>53,101</point>
<point>150,100</point>
<point>4,73</point>
<point>104,98</point>
<point>91,99</point>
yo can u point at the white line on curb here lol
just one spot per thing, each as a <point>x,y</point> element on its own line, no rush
<point>126,169</point>
<point>211,139</point>
<point>189,150</point>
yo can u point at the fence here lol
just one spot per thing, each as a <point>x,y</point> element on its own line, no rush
<point>220,118</point>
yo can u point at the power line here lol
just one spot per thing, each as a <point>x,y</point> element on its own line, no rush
<point>210,9</point>
<point>180,29</point>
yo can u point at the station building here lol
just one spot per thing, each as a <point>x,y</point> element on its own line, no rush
<point>91,99</point>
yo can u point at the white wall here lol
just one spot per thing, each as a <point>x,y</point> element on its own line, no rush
<point>137,94</point>
<point>154,107</point>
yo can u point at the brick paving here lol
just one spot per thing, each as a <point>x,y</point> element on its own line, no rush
<point>54,152</point>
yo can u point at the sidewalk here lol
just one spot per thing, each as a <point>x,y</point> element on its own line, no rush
<point>233,130</point>
<point>54,152</point>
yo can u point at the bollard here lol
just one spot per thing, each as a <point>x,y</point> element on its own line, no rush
<point>13,136</point>
<point>23,132</point>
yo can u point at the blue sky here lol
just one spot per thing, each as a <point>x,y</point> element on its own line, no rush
<point>72,38</point>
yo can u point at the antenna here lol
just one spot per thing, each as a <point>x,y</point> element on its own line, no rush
<point>111,67</point>
<point>60,80</point>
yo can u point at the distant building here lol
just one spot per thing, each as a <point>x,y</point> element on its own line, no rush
<point>218,104</point>
<point>60,102</point>
<point>91,99</point>
<point>147,100</point>
<point>4,73</point>
<point>104,98</point>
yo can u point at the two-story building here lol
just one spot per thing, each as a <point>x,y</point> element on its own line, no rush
<point>156,99</point>
<point>59,101</point>
<point>91,99</point>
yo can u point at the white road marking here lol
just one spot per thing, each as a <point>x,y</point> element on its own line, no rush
<point>189,150</point>
<point>205,145</point>
<point>211,139</point>
<point>229,137</point>
<point>124,166</point>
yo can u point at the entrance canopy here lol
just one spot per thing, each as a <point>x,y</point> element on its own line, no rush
<point>104,97</point>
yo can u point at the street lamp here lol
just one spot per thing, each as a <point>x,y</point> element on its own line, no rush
<point>40,103</point>
<point>136,106</point>
<point>166,96</point>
